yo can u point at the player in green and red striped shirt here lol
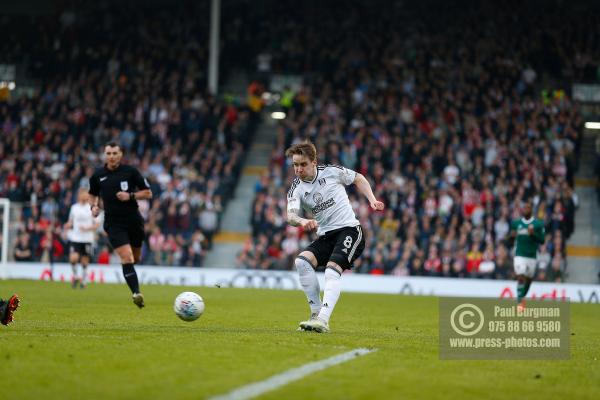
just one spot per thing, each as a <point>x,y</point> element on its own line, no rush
<point>528,233</point>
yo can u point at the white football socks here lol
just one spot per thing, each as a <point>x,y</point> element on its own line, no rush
<point>84,275</point>
<point>331,294</point>
<point>74,269</point>
<point>310,284</point>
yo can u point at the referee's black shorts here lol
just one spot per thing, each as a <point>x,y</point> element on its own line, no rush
<point>125,230</point>
<point>342,246</point>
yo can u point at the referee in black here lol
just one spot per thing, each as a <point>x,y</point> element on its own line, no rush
<point>120,186</point>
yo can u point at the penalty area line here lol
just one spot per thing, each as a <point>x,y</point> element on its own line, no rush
<point>276,381</point>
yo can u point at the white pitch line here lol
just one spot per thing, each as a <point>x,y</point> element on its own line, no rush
<point>276,381</point>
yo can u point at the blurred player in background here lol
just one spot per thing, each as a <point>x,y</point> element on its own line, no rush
<point>7,309</point>
<point>82,227</point>
<point>528,234</point>
<point>320,190</point>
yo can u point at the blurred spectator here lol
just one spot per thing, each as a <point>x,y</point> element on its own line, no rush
<point>208,220</point>
<point>103,256</point>
<point>487,265</point>
<point>23,248</point>
<point>556,271</point>
<point>50,248</point>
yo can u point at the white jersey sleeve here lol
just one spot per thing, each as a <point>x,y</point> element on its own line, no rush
<point>293,198</point>
<point>344,175</point>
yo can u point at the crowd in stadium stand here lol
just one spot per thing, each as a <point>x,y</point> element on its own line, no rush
<point>318,39</point>
<point>449,128</point>
<point>442,111</point>
<point>138,80</point>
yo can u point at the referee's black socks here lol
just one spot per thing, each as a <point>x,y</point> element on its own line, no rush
<point>131,278</point>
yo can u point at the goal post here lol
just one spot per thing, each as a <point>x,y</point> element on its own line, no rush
<point>5,209</point>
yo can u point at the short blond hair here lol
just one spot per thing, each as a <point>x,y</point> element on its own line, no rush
<point>306,149</point>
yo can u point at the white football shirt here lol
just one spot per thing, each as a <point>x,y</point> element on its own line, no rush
<point>325,197</point>
<point>81,217</point>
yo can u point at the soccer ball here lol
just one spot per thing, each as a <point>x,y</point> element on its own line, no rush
<point>189,306</point>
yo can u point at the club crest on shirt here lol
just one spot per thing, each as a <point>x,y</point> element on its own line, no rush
<point>318,198</point>
<point>124,186</point>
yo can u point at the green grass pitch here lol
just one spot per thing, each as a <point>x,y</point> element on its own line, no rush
<point>95,344</point>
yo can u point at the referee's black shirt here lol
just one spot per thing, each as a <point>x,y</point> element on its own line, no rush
<point>106,184</point>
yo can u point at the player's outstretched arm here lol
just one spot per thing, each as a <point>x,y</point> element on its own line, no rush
<point>295,220</point>
<point>364,187</point>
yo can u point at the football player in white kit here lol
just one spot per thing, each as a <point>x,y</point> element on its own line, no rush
<point>82,226</point>
<point>320,190</point>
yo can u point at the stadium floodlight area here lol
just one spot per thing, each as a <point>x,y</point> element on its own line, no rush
<point>278,115</point>
<point>5,210</point>
<point>592,125</point>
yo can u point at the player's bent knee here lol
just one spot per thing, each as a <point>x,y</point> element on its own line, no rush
<point>309,257</point>
<point>335,267</point>
<point>125,254</point>
<point>332,274</point>
<point>303,263</point>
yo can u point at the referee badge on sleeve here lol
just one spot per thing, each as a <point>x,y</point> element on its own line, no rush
<point>124,186</point>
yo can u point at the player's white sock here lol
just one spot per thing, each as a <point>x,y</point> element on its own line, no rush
<point>310,284</point>
<point>331,294</point>
<point>84,275</point>
<point>74,269</point>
